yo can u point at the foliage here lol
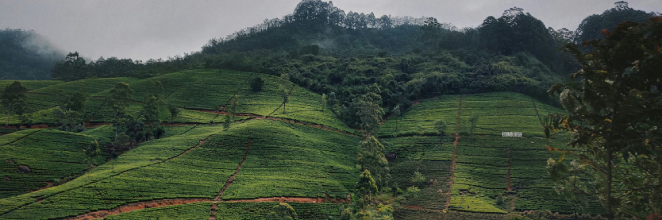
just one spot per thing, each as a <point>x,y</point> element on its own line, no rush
<point>256,84</point>
<point>612,104</point>
<point>372,158</point>
<point>69,120</point>
<point>366,185</point>
<point>282,211</point>
<point>369,110</point>
<point>417,179</point>
<point>72,68</point>
<point>174,111</point>
<point>440,126</point>
<point>474,120</point>
<point>14,99</point>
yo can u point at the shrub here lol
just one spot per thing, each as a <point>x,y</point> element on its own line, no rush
<point>256,84</point>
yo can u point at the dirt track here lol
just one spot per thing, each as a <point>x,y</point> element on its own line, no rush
<point>457,139</point>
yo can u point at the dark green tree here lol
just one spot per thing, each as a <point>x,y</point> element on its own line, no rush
<point>474,120</point>
<point>431,32</point>
<point>76,102</point>
<point>72,68</point>
<point>232,110</point>
<point>14,99</point>
<point>371,157</point>
<point>256,84</point>
<point>369,110</point>
<point>119,100</point>
<point>174,111</point>
<point>92,156</point>
<point>151,110</point>
<point>614,113</point>
<point>440,126</point>
<point>396,114</point>
<point>283,84</point>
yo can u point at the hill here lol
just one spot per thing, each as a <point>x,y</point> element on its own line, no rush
<point>26,55</point>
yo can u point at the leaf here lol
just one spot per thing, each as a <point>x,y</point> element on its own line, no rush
<point>608,120</point>
<point>562,157</point>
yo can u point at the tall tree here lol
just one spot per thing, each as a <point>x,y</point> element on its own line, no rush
<point>615,109</point>
<point>371,157</point>
<point>474,120</point>
<point>369,110</point>
<point>366,186</point>
<point>14,99</point>
<point>120,98</point>
<point>440,126</point>
<point>396,114</point>
<point>73,67</point>
<point>283,83</point>
<point>431,32</point>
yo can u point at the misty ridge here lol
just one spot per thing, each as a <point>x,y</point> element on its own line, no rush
<point>27,55</point>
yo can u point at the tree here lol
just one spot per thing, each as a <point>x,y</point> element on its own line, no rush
<point>152,110</point>
<point>366,186</point>
<point>613,106</point>
<point>474,120</point>
<point>120,97</point>
<point>76,102</point>
<point>92,152</point>
<point>440,126</point>
<point>324,101</point>
<point>282,211</point>
<point>431,31</point>
<point>174,111</point>
<point>72,68</point>
<point>68,119</point>
<point>418,179</point>
<point>369,110</point>
<point>346,214</point>
<point>14,99</point>
<point>283,82</point>
<point>256,84</point>
<point>232,110</point>
<point>371,157</point>
<point>396,114</point>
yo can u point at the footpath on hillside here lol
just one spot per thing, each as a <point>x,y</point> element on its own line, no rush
<point>457,139</point>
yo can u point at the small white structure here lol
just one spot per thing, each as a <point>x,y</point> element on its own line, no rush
<point>511,134</point>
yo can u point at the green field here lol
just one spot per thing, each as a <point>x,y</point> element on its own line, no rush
<point>50,155</point>
<point>152,171</point>
<point>288,158</point>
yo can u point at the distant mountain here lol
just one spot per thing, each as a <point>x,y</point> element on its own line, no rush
<point>26,55</point>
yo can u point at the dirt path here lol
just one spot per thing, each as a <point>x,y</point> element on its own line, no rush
<point>457,139</point>
<point>231,179</point>
<point>172,202</point>
<point>214,205</point>
<point>136,206</point>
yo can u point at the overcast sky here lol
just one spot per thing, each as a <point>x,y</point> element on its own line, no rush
<point>161,28</point>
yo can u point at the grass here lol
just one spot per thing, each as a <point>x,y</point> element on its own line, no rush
<point>420,119</point>
<point>294,160</point>
<point>285,159</point>
<point>51,155</point>
<point>146,173</point>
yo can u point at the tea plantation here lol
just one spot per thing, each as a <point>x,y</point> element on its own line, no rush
<point>271,152</point>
